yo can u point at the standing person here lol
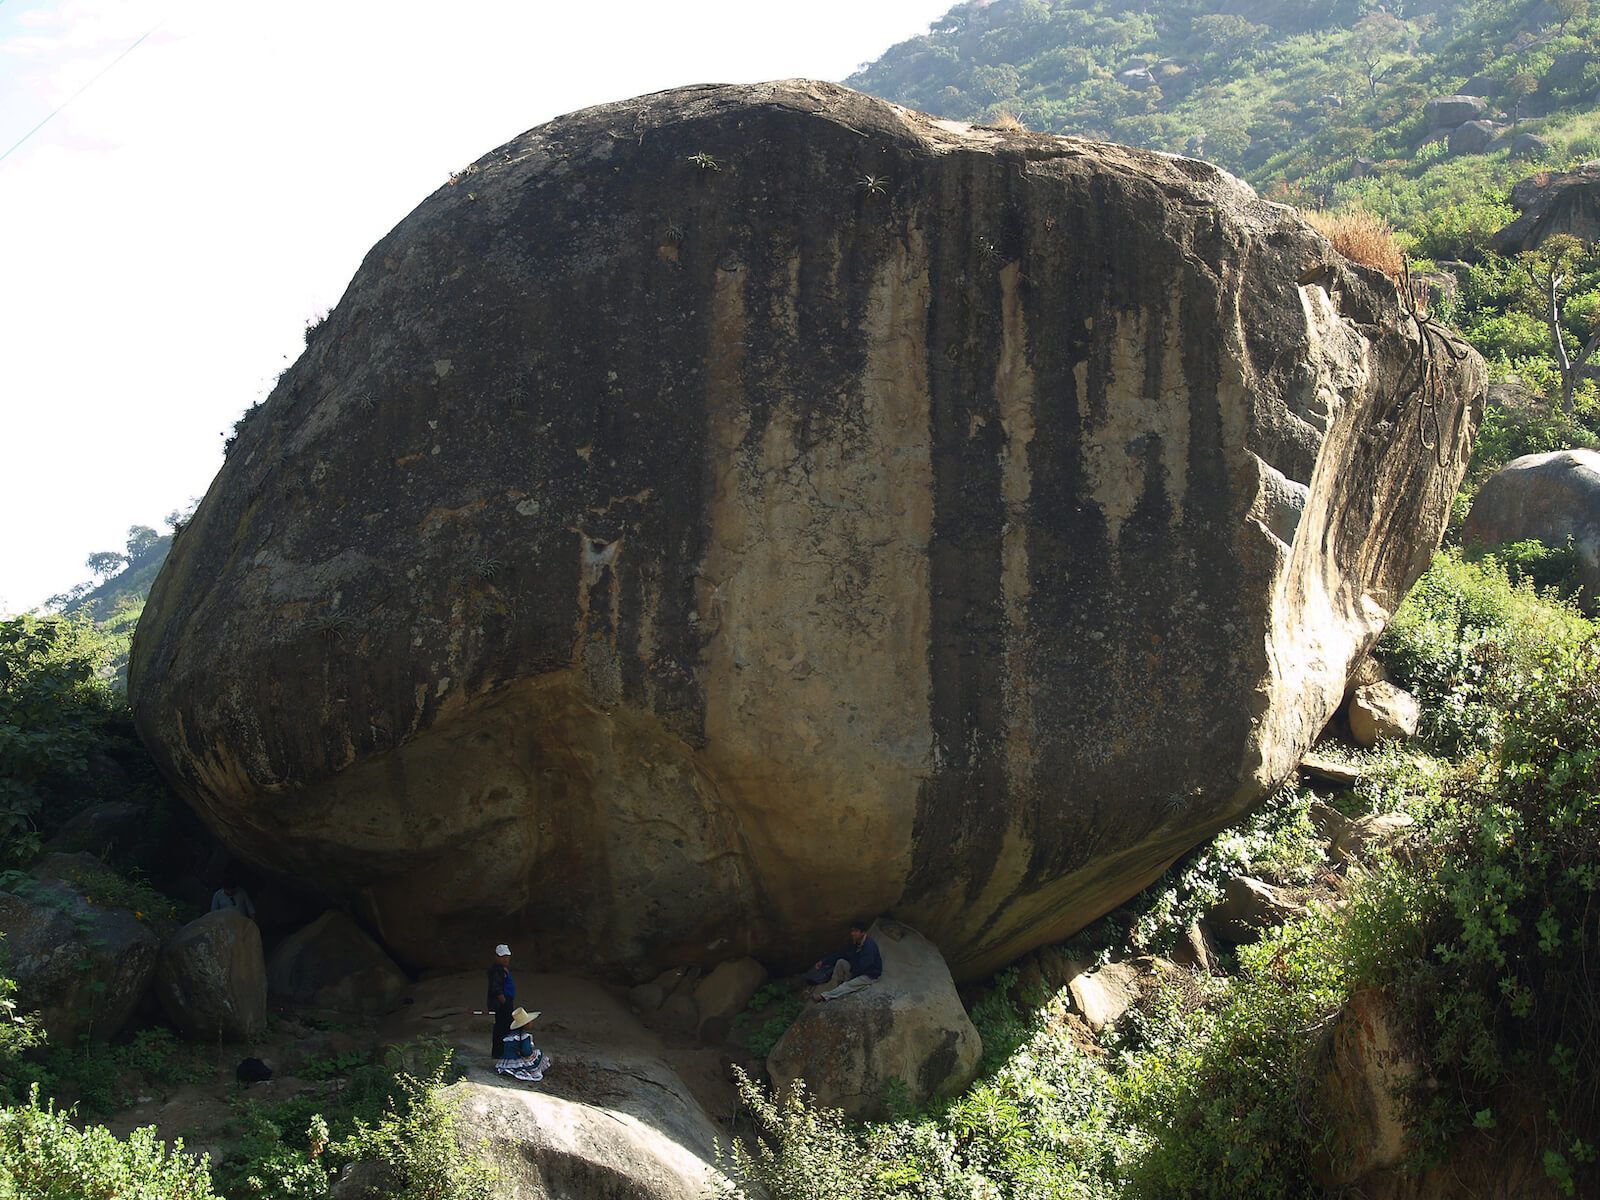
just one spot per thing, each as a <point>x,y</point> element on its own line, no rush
<point>850,970</point>
<point>502,997</point>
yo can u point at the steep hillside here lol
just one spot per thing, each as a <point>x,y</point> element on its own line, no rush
<point>1273,91</point>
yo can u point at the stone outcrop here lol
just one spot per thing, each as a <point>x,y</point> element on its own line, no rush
<point>643,1135</point>
<point>83,966</point>
<point>908,1027</point>
<point>1547,498</point>
<point>1553,202</point>
<point>1248,908</point>
<point>1446,112</point>
<point>333,964</point>
<point>211,978</point>
<point>1369,1064</point>
<point>718,514</point>
<point>1382,712</point>
<point>722,995</point>
<point>1475,137</point>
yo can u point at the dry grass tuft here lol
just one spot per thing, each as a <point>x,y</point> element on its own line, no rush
<point>1005,119</point>
<point>1360,237</point>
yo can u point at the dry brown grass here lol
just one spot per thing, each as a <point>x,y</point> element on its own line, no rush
<point>1360,237</point>
<point>1005,119</point>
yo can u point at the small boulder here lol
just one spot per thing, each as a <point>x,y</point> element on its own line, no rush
<point>632,1128</point>
<point>1447,112</point>
<point>907,1026</point>
<point>1138,80</point>
<point>365,1179</point>
<point>723,994</point>
<point>1330,770</point>
<point>82,966</point>
<point>1529,145</point>
<point>211,978</point>
<point>1195,951</point>
<point>679,1013</point>
<point>1475,137</point>
<point>1248,908</point>
<point>1366,836</point>
<point>1101,997</point>
<point>1381,712</point>
<point>1553,202</point>
<point>333,964</point>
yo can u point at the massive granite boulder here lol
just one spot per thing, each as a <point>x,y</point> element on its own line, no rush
<point>717,515</point>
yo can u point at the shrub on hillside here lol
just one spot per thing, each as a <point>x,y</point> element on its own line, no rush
<point>54,712</point>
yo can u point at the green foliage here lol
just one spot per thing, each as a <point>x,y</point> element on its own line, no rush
<point>393,1111</point>
<point>1463,628</point>
<point>102,1079</point>
<point>416,1140</point>
<point>1227,1093</point>
<point>768,1016</point>
<point>54,711</point>
<point>19,1032</point>
<point>44,1155</point>
<point>1555,568</point>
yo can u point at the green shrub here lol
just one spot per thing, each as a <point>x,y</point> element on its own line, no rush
<point>1227,1095</point>
<point>44,1156</point>
<point>54,710</point>
<point>768,1015</point>
<point>1553,568</point>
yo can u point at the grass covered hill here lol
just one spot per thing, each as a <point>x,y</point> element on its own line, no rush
<point>1275,91</point>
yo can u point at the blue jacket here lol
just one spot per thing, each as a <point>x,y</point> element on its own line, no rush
<point>863,959</point>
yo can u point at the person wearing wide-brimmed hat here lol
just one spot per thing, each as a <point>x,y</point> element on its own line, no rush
<point>502,997</point>
<point>518,1056</point>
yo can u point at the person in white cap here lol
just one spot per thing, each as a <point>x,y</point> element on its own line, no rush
<point>502,997</point>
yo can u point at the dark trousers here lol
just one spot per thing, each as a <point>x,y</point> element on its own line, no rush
<point>502,1026</point>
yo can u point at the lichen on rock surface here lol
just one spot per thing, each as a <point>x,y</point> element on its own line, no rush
<point>727,512</point>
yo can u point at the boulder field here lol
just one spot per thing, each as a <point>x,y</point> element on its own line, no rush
<point>716,515</point>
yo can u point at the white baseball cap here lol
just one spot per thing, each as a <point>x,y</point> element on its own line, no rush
<point>502,949</point>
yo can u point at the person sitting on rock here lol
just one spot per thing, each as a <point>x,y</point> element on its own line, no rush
<point>518,1056</point>
<point>502,997</point>
<point>231,895</point>
<point>852,969</point>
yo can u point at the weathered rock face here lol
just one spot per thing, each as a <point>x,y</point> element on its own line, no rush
<point>908,1029</point>
<point>211,978</point>
<point>1547,498</point>
<point>724,513</point>
<point>333,964</point>
<point>84,967</point>
<point>1553,202</point>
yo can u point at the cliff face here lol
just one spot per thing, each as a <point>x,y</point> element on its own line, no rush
<point>719,514</point>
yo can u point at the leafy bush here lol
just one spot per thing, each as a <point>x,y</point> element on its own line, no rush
<point>1228,1096</point>
<point>44,1156</point>
<point>1556,568</point>
<point>768,1016</point>
<point>54,710</point>
<point>1464,626</point>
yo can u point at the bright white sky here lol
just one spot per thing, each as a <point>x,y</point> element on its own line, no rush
<point>165,238</point>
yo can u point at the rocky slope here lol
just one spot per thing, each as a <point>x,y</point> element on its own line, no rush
<point>722,513</point>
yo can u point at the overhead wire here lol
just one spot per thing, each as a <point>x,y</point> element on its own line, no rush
<point>98,75</point>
